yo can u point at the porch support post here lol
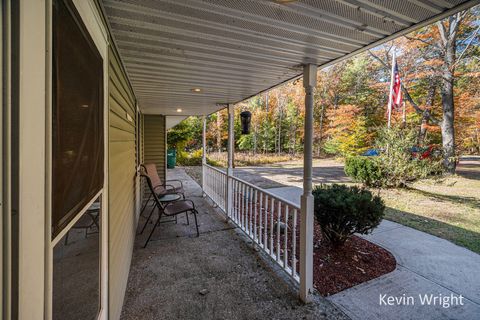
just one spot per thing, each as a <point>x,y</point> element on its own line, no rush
<point>231,147</point>
<point>204,151</point>
<point>306,223</point>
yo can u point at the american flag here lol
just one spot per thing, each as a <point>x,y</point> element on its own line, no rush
<point>396,94</point>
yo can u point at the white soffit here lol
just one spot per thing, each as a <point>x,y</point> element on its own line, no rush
<point>234,49</point>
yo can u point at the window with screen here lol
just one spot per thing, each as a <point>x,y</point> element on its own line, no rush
<point>77,124</point>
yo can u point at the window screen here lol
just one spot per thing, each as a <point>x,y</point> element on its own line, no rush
<point>77,124</point>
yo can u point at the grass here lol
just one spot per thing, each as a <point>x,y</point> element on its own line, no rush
<point>448,208</point>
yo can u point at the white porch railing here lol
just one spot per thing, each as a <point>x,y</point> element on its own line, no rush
<point>215,185</point>
<point>269,221</point>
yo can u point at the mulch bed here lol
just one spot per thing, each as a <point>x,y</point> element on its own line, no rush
<point>336,269</point>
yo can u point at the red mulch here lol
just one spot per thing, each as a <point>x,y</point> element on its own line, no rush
<point>336,269</point>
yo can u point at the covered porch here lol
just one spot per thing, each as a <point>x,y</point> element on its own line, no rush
<point>149,62</point>
<point>197,57</point>
<point>214,276</point>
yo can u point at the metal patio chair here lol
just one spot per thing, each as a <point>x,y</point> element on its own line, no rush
<point>161,187</point>
<point>171,209</point>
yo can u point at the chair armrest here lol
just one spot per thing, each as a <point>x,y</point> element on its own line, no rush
<point>169,187</point>
<point>181,184</point>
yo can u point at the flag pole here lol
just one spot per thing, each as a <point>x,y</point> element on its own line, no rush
<point>390,100</point>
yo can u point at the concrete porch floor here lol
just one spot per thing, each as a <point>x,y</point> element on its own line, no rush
<point>215,276</point>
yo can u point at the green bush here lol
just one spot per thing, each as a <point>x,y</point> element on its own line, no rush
<point>189,159</point>
<point>342,211</point>
<point>365,170</point>
<point>395,166</point>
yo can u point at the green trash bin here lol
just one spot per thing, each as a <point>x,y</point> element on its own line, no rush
<point>171,158</point>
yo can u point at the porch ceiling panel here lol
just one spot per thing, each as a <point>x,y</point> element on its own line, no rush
<point>234,49</point>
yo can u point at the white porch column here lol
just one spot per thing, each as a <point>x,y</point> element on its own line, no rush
<point>231,147</point>
<point>204,151</point>
<point>306,224</point>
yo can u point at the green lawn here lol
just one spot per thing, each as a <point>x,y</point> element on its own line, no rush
<point>448,208</point>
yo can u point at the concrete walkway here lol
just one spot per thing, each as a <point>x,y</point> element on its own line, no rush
<point>215,276</point>
<point>425,265</point>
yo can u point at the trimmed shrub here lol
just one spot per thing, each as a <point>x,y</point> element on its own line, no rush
<point>190,159</point>
<point>365,170</point>
<point>342,211</point>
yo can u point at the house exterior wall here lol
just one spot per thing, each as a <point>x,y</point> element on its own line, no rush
<point>155,143</point>
<point>122,182</point>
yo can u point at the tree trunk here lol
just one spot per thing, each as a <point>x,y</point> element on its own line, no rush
<point>426,114</point>
<point>280,132</point>
<point>322,113</point>
<point>448,129</point>
<point>477,135</point>
<point>448,35</point>
<point>255,139</point>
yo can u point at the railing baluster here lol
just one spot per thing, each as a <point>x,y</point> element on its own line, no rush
<point>242,203</point>
<point>236,201</point>
<point>250,221</point>
<point>260,225</point>
<point>247,200</point>
<point>294,243</point>
<point>245,208</point>
<point>255,231</point>
<point>247,211</point>
<point>215,187</point>
<point>265,239</point>
<point>285,239</point>
<point>279,216</point>
<point>272,209</point>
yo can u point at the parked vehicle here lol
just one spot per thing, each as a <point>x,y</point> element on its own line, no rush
<point>371,153</point>
<point>428,152</point>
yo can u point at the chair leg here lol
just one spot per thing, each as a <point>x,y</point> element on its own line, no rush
<point>186,215</point>
<point>148,219</point>
<point>153,230</point>
<point>196,223</point>
<point>146,202</point>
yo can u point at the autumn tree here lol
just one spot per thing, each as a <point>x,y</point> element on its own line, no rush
<point>438,48</point>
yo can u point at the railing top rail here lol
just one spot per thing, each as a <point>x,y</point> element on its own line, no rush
<point>289,203</point>
<point>215,169</point>
<point>270,194</point>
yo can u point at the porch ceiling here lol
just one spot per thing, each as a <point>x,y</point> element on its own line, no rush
<point>232,49</point>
